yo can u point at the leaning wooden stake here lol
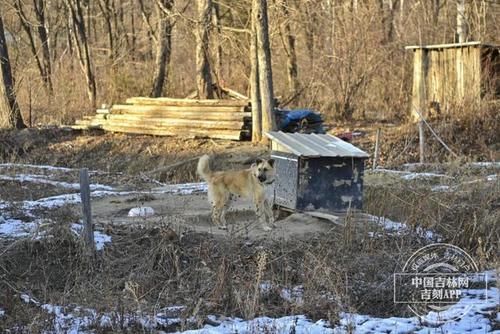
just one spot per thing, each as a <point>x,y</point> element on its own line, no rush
<point>421,140</point>
<point>375,155</point>
<point>88,228</point>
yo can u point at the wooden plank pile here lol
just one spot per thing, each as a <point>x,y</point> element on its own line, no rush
<point>223,119</point>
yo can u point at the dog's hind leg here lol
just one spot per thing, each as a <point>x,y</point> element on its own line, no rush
<point>219,206</point>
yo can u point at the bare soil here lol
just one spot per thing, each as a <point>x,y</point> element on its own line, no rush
<point>192,213</point>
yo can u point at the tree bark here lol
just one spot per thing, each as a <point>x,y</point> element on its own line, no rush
<point>10,114</point>
<point>254,80</point>
<point>265,69</point>
<point>203,72</point>
<point>289,46</point>
<point>462,28</point>
<point>79,34</point>
<point>107,13</point>
<point>43,35</point>
<point>387,8</point>
<point>219,78</point>
<point>163,45</point>
<point>44,62</point>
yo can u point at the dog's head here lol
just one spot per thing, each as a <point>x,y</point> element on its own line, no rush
<point>263,170</point>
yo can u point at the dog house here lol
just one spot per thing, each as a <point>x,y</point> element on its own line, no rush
<point>317,172</point>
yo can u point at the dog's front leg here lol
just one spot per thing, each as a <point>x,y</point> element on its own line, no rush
<point>260,210</point>
<point>269,213</point>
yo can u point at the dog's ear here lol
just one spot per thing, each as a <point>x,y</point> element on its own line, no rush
<point>258,161</point>
<point>271,162</point>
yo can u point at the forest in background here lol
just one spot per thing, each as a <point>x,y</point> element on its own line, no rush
<point>345,58</point>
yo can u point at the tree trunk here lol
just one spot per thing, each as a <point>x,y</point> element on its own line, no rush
<point>10,114</point>
<point>309,24</point>
<point>254,80</point>
<point>43,63</point>
<point>203,72</point>
<point>461,22</point>
<point>331,7</point>
<point>82,46</point>
<point>219,78</point>
<point>107,13</point>
<point>43,35</point>
<point>289,46</point>
<point>265,69</point>
<point>387,9</point>
<point>436,8</point>
<point>163,45</point>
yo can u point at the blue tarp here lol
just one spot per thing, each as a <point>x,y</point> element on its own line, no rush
<point>292,117</point>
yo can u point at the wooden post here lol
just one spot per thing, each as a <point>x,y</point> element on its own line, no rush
<point>88,228</point>
<point>421,140</point>
<point>375,155</point>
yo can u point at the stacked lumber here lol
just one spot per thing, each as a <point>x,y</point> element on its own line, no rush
<point>223,119</point>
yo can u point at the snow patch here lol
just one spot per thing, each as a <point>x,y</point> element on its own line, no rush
<point>42,179</point>
<point>425,176</point>
<point>100,239</point>
<point>397,228</point>
<point>15,228</point>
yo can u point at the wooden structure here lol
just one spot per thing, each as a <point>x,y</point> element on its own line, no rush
<point>448,74</point>
<point>223,119</point>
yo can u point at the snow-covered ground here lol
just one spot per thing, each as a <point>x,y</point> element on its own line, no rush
<point>397,228</point>
<point>480,319</point>
<point>11,227</point>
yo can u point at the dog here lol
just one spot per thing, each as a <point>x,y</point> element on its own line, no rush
<point>223,186</point>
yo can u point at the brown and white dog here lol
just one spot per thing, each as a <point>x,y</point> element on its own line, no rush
<point>249,183</point>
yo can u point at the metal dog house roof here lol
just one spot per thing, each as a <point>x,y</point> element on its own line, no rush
<point>315,145</point>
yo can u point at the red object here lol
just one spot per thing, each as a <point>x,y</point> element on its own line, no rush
<point>346,136</point>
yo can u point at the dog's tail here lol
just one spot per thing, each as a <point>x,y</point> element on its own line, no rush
<point>203,168</point>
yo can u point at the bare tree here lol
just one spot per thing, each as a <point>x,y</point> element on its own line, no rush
<point>163,44</point>
<point>387,8</point>
<point>264,67</point>
<point>10,114</point>
<point>217,45</point>
<point>203,72</point>
<point>254,79</point>
<point>289,45</point>
<point>79,35</point>
<point>462,27</point>
<point>44,62</point>
<point>106,9</point>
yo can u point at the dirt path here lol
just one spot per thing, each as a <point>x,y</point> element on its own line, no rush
<point>192,212</point>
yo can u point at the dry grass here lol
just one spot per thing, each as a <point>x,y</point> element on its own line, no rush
<point>342,269</point>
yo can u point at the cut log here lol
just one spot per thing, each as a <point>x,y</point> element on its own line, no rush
<point>173,122</point>
<point>174,131</point>
<point>185,102</point>
<point>222,116</point>
<point>102,111</point>
<point>124,108</point>
<point>235,94</point>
